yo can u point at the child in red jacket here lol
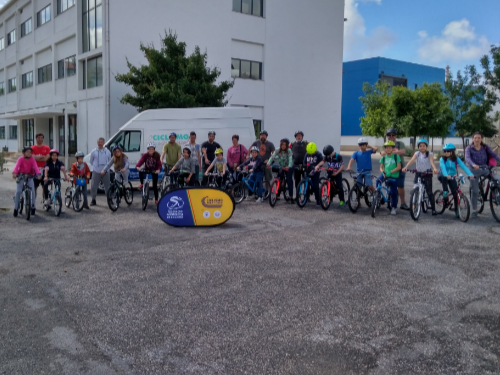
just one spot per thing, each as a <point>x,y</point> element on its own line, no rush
<point>81,169</point>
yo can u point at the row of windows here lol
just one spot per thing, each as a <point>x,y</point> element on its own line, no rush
<point>253,7</point>
<point>246,69</point>
<point>12,132</point>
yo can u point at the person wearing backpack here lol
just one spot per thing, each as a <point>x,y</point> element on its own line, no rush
<point>479,157</point>
<point>390,165</point>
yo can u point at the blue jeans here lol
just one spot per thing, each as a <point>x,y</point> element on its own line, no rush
<point>393,189</point>
<point>257,178</point>
<point>289,181</point>
<point>364,175</point>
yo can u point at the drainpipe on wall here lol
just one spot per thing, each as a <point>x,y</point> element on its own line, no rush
<point>107,88</point>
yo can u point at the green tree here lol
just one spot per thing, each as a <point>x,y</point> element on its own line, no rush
<point>376,104</point>
<point>470,104</point>
<point>491,68</point>
<point>173,80</point>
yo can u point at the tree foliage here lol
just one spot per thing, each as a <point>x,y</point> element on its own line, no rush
<point>376,104</point>
<point>173,80</point>
<point>491,66</point>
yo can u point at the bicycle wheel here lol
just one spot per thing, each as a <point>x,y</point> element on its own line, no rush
<point>346,187</point>
<point>439,200</point>
<point>78,200</point>
<point>368,196</point>
<point>425,203</point>
<point>274,193</point>
<point>353,199</point>
<point>302,194</point>
<point>495,203</point>
<point>21,204</point>
<point>415,204</point>
<point>480,200</point>
<point>266,186</point>
<point>196,183</point>
<point>376,197</point>
<point>57,203</point>
<point>68,196</point>
<point>113,198</point>
<point>129,194</point>
<point>145,196</point>
<point>325,195</point>
<point>284,189</point>
<point>463,207</point>
<point>165,181</point>
<point>27,203</point>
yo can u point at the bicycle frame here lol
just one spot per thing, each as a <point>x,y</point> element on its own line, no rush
<point>381,188</point>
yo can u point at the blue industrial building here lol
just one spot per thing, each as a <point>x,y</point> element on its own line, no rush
<point>397,73</point>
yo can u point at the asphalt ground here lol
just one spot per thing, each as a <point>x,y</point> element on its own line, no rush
<point>272,291</point>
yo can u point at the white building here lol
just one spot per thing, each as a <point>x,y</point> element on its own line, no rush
<point>58,59</point>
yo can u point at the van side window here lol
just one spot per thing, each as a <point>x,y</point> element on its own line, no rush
<point>129,141</point>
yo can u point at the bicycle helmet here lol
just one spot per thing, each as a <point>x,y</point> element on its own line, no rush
<point>254,149</point>
<point>389,143</point>
<point>211,132</point>
<point>422,141</point>
<point>172,134</point>
<point>79,154</point>
<point>311,148</point>
<point>219,151</point>
<point>286,140</point>
<point>117,147</point>
<point>391,131</point>
<point>54,151</point>
<point>26,148</point>
<point>298,132</point>
<point>264,132</point>
<point>449,147</point>
<point>362,141</point>
<point>328,150</point>
<point>151,144</point>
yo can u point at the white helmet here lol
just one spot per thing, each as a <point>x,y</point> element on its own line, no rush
<point>254,148</point>
<point>151,144</point>
<point>362,140</point>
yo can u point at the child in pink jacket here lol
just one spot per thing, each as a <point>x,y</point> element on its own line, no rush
<point>26,164</point>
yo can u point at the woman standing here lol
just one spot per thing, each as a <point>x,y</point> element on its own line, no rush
<point>477,157</point>
<point>120,163</point>
<point>236,154</point>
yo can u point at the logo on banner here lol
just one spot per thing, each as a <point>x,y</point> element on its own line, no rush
<point>212,202</point>
<point>175,206</point>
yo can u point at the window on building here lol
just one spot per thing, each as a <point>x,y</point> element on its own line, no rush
<point>91,24</point>
<point>1,44</point>
<point>257,126</point>
<point>246,69</point>
<point>94,72</point>
<point>11,37</point>
<point>63,5</point>
<point>66,67</point>
<point>12,84</point>
<point>45,74</point>
<point>13,132</point>
<point>2,132</point>
<point>43,16</point>
<point>26,27</point>
<point>60,123</point>
<point>29,135</point>
<point>394,81</point>
<point>129,141</point>
<point>51,133</point>
<point>253,7</point>
<point>72,135</point>
<point>60,69</point>
<point>27,80</point>
<point>2,88</point>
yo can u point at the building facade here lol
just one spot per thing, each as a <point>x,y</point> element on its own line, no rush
<point>58,59</point>
<point>397,73</point>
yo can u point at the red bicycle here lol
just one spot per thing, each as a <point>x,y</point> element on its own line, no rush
<point>328,189</point>
<point>278,185</point>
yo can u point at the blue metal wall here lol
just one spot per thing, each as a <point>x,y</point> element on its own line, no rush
<point>356,73</point>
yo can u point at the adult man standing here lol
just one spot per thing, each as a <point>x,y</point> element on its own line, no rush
<point>99,158</point>
<point>208,149</point>
<point>266,148</point>
<point>400,149</point>
<point>41,155</point>
<point>298,152</point>
<point>171,151</point>
<point>195,153</point>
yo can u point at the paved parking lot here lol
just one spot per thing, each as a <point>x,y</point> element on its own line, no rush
<point>273,291</point>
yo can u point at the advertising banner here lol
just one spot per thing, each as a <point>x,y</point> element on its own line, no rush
<point>196,207</point>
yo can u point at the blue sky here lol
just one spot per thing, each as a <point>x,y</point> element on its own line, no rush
<point>431,32</point>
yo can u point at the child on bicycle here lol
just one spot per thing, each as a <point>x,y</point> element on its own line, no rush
<point>26,164</point>
<point>284,158</point>
<point>187,166</point>
<point>363,159</point>
<point>53,169</point>
<point>449,165</point>
<point>152,162</point>
<point>335,162</point>
<point>256,169</point>
<point>425,162</point>
<point>220,164</point>
<point>390,165</point>
<point>312,161</point>
<point>120,162</point>
<point>80,169</point>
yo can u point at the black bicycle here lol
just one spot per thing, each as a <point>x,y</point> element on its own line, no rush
<point>359,191</point>
<point>117,191</point>
<point>176,182</point>
<point>489,189</point>
<point>26,195</point>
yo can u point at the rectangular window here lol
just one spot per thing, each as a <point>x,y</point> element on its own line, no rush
<point>246,69</point>
<point>2,88</point>
<point>13,132</point>
<point>11,37</point>
<point>91,24</point>
<point>94,72</point>
<point>62,149</point>
<point>43,16</point>
<point>60,69</point>
<point>72,139</point>
<point>1,44</point>
<point>2,132</point>
<point>12,84</point>
<point>66,67</point>
<point>253,7</point>
<point>394,81</point>
<point>26,27</point>
<point>63,5</point>
<point>27,80</point>
<point>45,74</point>
<point>29,135</point>
<point>235,68</point>
<point>129,141</point>
<point>257,126</point>
<point>51,133</point>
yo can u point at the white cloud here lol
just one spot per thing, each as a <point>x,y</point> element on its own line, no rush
<point>357,43</point>
<point>2,3</point>
<point>457,42</point>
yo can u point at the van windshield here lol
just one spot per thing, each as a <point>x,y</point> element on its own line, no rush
<point>129,141</point>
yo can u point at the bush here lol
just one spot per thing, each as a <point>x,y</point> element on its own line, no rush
<point>409,151</point>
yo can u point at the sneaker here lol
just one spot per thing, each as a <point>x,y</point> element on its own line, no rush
<point>292,201</point>
<point>393,211</point>
<point>86,206</point>
<point>47,202</point>
<point>474,214</point>
<point>93,203</point>
<point>15,213</point>
<point>445,194</point>
<point>404,207</point>
<point>342,204</point>
<point>434,213</point>
<point>33,212</point>
<point>318,203</point>
<point>140,186</point>
<point>259,200</point>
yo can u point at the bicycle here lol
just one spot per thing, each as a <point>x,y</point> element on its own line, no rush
<point>359,191</point>
<point>419,200</point>
<point>304,188</point>
<point>378,197</point>
<point>54,196</point>
<point>165,180</point>
<point>278,185</point>
<point>74,194</point>
<point>177,182</point>
<point>328,188</point>
<point>145,189</point>
<point>26,195</point>
<point>493,189</point>
<point>463,203</point>
<point>248,187</point>
<point>118,190</point>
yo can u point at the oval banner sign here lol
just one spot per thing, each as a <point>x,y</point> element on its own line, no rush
<point>196,207</point>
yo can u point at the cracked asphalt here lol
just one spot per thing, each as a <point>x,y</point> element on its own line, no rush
<point>273,291</point>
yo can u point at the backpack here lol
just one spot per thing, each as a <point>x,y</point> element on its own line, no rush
<point>395,159</point>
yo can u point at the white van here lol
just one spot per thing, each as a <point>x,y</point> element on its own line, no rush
<point>156,125</point>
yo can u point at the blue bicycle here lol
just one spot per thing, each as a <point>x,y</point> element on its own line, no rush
<point>379,197</point>
<point>304,189</point>
<point>54,196</point>
<point>247,187</point>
